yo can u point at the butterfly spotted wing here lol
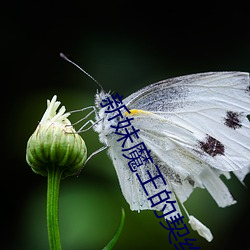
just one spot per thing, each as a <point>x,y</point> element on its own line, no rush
<point>202,119</point>
<point>196,129</point>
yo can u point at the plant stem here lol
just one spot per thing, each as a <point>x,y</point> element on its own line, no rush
<point>54,177</point>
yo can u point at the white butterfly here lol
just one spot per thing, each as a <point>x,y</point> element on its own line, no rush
<point>197,129</point>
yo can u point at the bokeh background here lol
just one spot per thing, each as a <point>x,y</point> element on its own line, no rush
<point>125,45</point>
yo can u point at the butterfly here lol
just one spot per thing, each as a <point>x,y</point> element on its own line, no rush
<point>196,129</point>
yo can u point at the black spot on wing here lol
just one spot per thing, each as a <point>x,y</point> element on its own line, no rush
<point>212,146</point>
<point>233,119</point>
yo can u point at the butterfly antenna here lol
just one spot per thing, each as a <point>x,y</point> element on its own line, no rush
<point>86,73</point>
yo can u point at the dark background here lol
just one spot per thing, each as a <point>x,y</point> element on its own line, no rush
<point>125,45</point>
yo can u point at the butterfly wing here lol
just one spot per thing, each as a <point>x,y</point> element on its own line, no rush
<point>196,126</point>
<point>212,106</point>
<point>131,187</point>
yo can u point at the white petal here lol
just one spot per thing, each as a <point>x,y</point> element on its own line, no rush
<point>51,114</point>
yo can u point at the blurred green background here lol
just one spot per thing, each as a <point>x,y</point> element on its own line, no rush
<point>125,46</point>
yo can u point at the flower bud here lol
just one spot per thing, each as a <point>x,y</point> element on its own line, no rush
<point>55,144</point>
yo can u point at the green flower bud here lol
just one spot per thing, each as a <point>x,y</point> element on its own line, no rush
<point>55,144</point>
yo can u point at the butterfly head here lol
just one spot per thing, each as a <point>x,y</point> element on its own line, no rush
<point>103,119</point>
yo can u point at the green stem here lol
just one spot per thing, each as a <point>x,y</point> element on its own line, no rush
<point>54,177</point>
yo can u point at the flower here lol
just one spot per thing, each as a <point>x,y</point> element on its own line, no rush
<point>55,143</point>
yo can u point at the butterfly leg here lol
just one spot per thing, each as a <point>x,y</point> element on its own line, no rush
<point>96,152</point>
<point>86,116</point>
<point>92,154</point>
<point>81,129</point>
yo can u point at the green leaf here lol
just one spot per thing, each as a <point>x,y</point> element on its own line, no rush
<point>117,234</point>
